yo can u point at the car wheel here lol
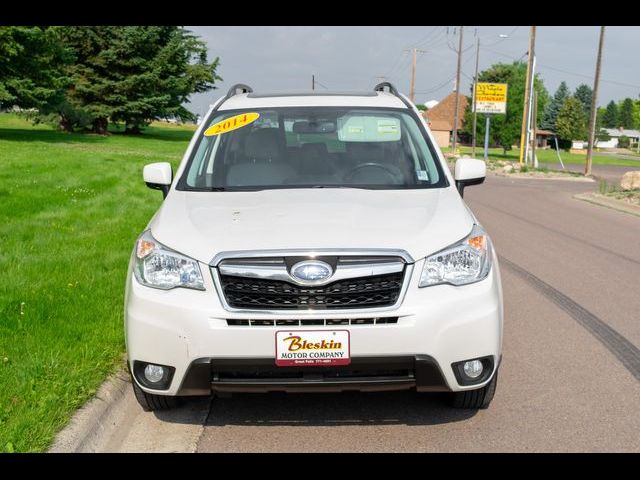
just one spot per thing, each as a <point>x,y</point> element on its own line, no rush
<point>151,402</point>
<point>476,399</point>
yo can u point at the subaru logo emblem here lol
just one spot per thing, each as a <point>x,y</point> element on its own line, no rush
<point>311,271</point>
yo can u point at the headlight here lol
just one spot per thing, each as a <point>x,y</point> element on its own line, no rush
<point>160,267</point>
<point>467,261</point>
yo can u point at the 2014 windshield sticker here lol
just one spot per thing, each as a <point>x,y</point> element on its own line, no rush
<point>231,123</point>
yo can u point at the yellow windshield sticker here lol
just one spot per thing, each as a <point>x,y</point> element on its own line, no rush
<point>231,123</point>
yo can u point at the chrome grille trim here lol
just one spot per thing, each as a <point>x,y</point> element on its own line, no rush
<point>349,258</point>
<point>311,253</point>
<point>344,271</point>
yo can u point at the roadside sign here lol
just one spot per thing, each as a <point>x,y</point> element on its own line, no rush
<point>491,97</point>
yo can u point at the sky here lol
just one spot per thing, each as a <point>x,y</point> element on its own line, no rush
<point>283,58</point>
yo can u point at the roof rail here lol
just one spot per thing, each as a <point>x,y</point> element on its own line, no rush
<point>393,91</point>
<point>238,86</point>
<point>380,88</point>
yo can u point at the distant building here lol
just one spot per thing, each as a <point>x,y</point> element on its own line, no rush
<point>431,103</point>
<point>543,137</point>
<point>615,134</point>
<point>440,118</point>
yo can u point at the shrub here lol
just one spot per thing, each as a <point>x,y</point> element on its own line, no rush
<point>623,141</point>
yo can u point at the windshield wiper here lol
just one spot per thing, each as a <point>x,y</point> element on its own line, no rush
<point>330,186</point>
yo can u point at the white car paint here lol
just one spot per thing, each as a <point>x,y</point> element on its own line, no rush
<point>448,323</point>
<point>418,221</point>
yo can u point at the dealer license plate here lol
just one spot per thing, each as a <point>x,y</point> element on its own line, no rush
<point>312,347</point>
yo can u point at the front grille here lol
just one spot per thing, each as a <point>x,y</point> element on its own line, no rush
<point>311,322</point>
<point>363,292</point>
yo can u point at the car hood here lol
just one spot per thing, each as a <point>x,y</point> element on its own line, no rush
<point>203,224</point>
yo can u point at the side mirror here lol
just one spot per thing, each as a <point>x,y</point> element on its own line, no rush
<point>158,176</point>
<point>469,171</point>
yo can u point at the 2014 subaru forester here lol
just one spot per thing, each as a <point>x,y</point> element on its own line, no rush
<point>313,242</point>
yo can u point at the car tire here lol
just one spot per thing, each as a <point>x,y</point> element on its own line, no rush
<point>151,402</point>
<point>480,398</point>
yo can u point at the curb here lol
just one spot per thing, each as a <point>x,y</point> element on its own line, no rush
<point>568,178</point>
<point>598,199</point>
<point>87,426</point>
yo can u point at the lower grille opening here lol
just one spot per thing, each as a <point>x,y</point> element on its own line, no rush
<point>317,374</point>
<point>312,322</point>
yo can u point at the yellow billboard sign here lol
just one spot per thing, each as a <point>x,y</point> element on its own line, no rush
<point>491,97</point>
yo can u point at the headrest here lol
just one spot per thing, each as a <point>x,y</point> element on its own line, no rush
<point>263,144</point>
<point>314,149</point>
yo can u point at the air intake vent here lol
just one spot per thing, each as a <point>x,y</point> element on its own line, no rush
<point>312,322</point>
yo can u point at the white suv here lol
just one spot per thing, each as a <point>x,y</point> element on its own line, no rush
<point>313,242</point>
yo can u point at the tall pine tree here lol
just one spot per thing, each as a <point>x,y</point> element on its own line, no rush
<point>610,115</point>
<point>31,66</point>
<point>626,113</point>
<point>571,121</point>
<point>132,75</point>
<point>584,93</point>
<point>554,106</point>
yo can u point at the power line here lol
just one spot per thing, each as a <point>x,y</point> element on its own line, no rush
<point>425,38</point>
<point>423,92</point>
<point>590,77</point>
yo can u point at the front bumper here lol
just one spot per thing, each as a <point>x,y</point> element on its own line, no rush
<point>262,375</point>
<point>437,326</point>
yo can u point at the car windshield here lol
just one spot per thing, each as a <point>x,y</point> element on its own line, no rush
<point>304,147</point>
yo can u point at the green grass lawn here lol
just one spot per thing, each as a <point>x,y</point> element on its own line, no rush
<point>549,157</point>
<point>71,206</point>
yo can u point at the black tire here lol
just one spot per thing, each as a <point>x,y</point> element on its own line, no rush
<point>476,399</point>
<point>150,402</point>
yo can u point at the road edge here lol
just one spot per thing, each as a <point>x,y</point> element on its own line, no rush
<point>566,178</point>
<point>86,427</point>
<point>598,199</point>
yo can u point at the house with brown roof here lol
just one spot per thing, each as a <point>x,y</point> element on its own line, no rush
<point>441,117</point>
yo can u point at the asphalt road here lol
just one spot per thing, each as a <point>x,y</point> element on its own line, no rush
<point>611,173</point>
<point>570,376</point>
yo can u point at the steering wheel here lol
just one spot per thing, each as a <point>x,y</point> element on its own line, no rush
<point>350,174</point>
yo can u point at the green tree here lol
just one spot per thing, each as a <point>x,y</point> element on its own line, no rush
<point>553,107</point>
<point>31,61</point>
<point>626,114</point>
<point>132,75</point>
<point>636,114</point>
<point>584,93</point>
<point>603,136</point>
<point>421,106</point>
<point>571,121</point>
<point>610,116</point>
<point>623,141</point>
<point>505,128</point>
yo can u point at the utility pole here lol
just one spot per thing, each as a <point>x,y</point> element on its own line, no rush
<point>313,82</point>
<point>535,129</point>
<point>413,77</point>
<point>527,137</point>
<point>457,91</point>
<point>527,91</point>
<point>475,114</point>
<point>412,87</point>
<point>592,122</point>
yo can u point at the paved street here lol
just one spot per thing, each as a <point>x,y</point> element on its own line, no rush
<point>611,173</point>
<point>570,377</point>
